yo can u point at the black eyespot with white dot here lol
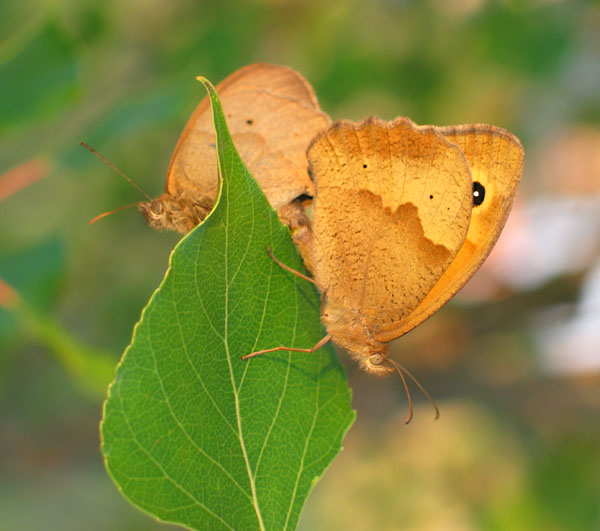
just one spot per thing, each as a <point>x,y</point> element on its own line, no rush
<point>478,193</point>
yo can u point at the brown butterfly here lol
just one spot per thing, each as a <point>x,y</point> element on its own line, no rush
<point>403,216</point>
<point>272,114</point>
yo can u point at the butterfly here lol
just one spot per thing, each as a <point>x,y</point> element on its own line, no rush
<point>403,216</point>
<point>272,114</point>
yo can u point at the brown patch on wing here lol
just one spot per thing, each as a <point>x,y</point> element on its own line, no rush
<point>384,263</point>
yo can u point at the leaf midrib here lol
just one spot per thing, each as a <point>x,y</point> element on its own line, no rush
<point>228,356</point>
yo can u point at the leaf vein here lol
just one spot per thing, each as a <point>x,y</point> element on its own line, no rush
<point>164,472</point>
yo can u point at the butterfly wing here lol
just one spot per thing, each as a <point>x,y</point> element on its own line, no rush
<point>495,158</point>
<point>392,209</point>
<point>272,113</point>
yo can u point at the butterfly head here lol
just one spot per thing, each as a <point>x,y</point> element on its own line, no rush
<point>157,213</point>
<point>174,212</point>
<point>376,364</point>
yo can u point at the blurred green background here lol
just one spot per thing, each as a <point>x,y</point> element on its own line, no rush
<point>514,362</point>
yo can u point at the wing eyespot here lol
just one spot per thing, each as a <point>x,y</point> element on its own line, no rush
<point>478,193</point>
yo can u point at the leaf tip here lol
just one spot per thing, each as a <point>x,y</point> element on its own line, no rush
<point>207,84</point>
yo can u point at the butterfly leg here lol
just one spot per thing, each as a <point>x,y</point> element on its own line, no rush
<point>322,342</point>
<point>288,268</point>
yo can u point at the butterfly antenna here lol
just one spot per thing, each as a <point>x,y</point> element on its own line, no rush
<point>400,369</point>
<point>90,148</point>
<point>410,405</point>
<point>104,214</point>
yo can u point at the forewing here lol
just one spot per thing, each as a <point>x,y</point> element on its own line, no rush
<point>273,114</point>
<point>392,209</point>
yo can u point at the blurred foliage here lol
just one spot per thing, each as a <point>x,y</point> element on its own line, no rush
<point>35,272</point>
<point>120,76</point>
<point>41,78</point>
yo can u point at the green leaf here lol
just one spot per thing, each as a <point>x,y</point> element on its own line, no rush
<point>191,433</point>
